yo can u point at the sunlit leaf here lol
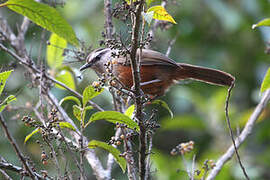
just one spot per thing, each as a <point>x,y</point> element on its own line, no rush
<point>31,134</point>
<point>264,22</point>
<point>89,93</point>
<point>3,79</point>
<point>114,117</point>
<point>44,16</point>
<point>164,105</point>
<point>67,78</point>
<point>115,152</point>
<point>160,13</point>
<point>130,110</point>
<point>8,100</point>
<point>73,98</point>
<point>77,112</point>
<point>266,81</point>
<point>67,125</point>
<point>55,51</point>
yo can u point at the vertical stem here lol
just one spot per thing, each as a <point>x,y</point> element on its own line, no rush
<point>81,144</point>
<point>150,140</point>
<point>108,18</point>
<point>136,84</point>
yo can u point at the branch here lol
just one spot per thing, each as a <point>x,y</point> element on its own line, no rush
<point>89,154</point>
<point>5,175</point>
<point>231,131</point>
<point>150,146</point>
<point>8,166</point>
<point>135,66</point>
<point>171,43</point>
<point>108,20</point>
<point>16,149</point>
<point>242,137</point>
<point>24,62</point>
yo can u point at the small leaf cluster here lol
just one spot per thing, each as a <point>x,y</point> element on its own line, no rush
<point>3,79</point>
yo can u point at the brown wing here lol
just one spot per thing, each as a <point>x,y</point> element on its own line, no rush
<point>150,57</point>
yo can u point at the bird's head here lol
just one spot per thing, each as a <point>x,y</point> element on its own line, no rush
<point>97,59</point>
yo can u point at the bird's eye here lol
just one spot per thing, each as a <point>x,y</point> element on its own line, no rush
<point>98,57</point>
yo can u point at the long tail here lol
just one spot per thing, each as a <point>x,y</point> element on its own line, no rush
<point>211,76</point>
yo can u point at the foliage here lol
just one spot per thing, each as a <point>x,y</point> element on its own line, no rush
<point>160,13</point>
<point>211,33</point>
<point>3,78</point>
<point>266,82</point>
<point>44,16</point>
<point>115,152</point>
<point>114,117</point>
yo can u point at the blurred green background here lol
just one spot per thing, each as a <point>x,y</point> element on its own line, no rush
<point>214,34</point>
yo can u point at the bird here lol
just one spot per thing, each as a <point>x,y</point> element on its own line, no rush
<point>157,71</point>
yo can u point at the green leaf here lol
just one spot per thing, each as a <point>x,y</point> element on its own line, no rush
<point>3,79</point>
<point>73,98</point>
<point>266,81</point>
<point>85,109</point>
<point>160,13</point>
<point>148,2</point>
<point>114,117</point>
<point>55,51</point>
<point>67,78</point>
<point>67,125</point>
<point>130,110</point>
<point>89,93</point>
<point>148,17</point>
<point>164,105</point>
<point>264,22</point>
<point>77,112</point>
<point>44,16</point>
<point>115,152</point>
<point>8,100</point>
<point>30,135</point>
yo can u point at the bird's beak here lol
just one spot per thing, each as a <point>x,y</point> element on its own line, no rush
<point>85,66</point>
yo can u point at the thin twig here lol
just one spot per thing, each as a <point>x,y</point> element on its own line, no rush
<point>16,148</point>
<point>148,162</point>
<point>5,175</point>
<point>110,160</point>
<point>129,157</point>
<point>193,166</point>
<point>73,156</point>
<point>171,43</point>
<point>10,167</point>
<point>231,132</point>
<point>99,171</point>
<point>186,165</point>
<point>54,157</point>
<point>243,136</point>
<point>36,70</point>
